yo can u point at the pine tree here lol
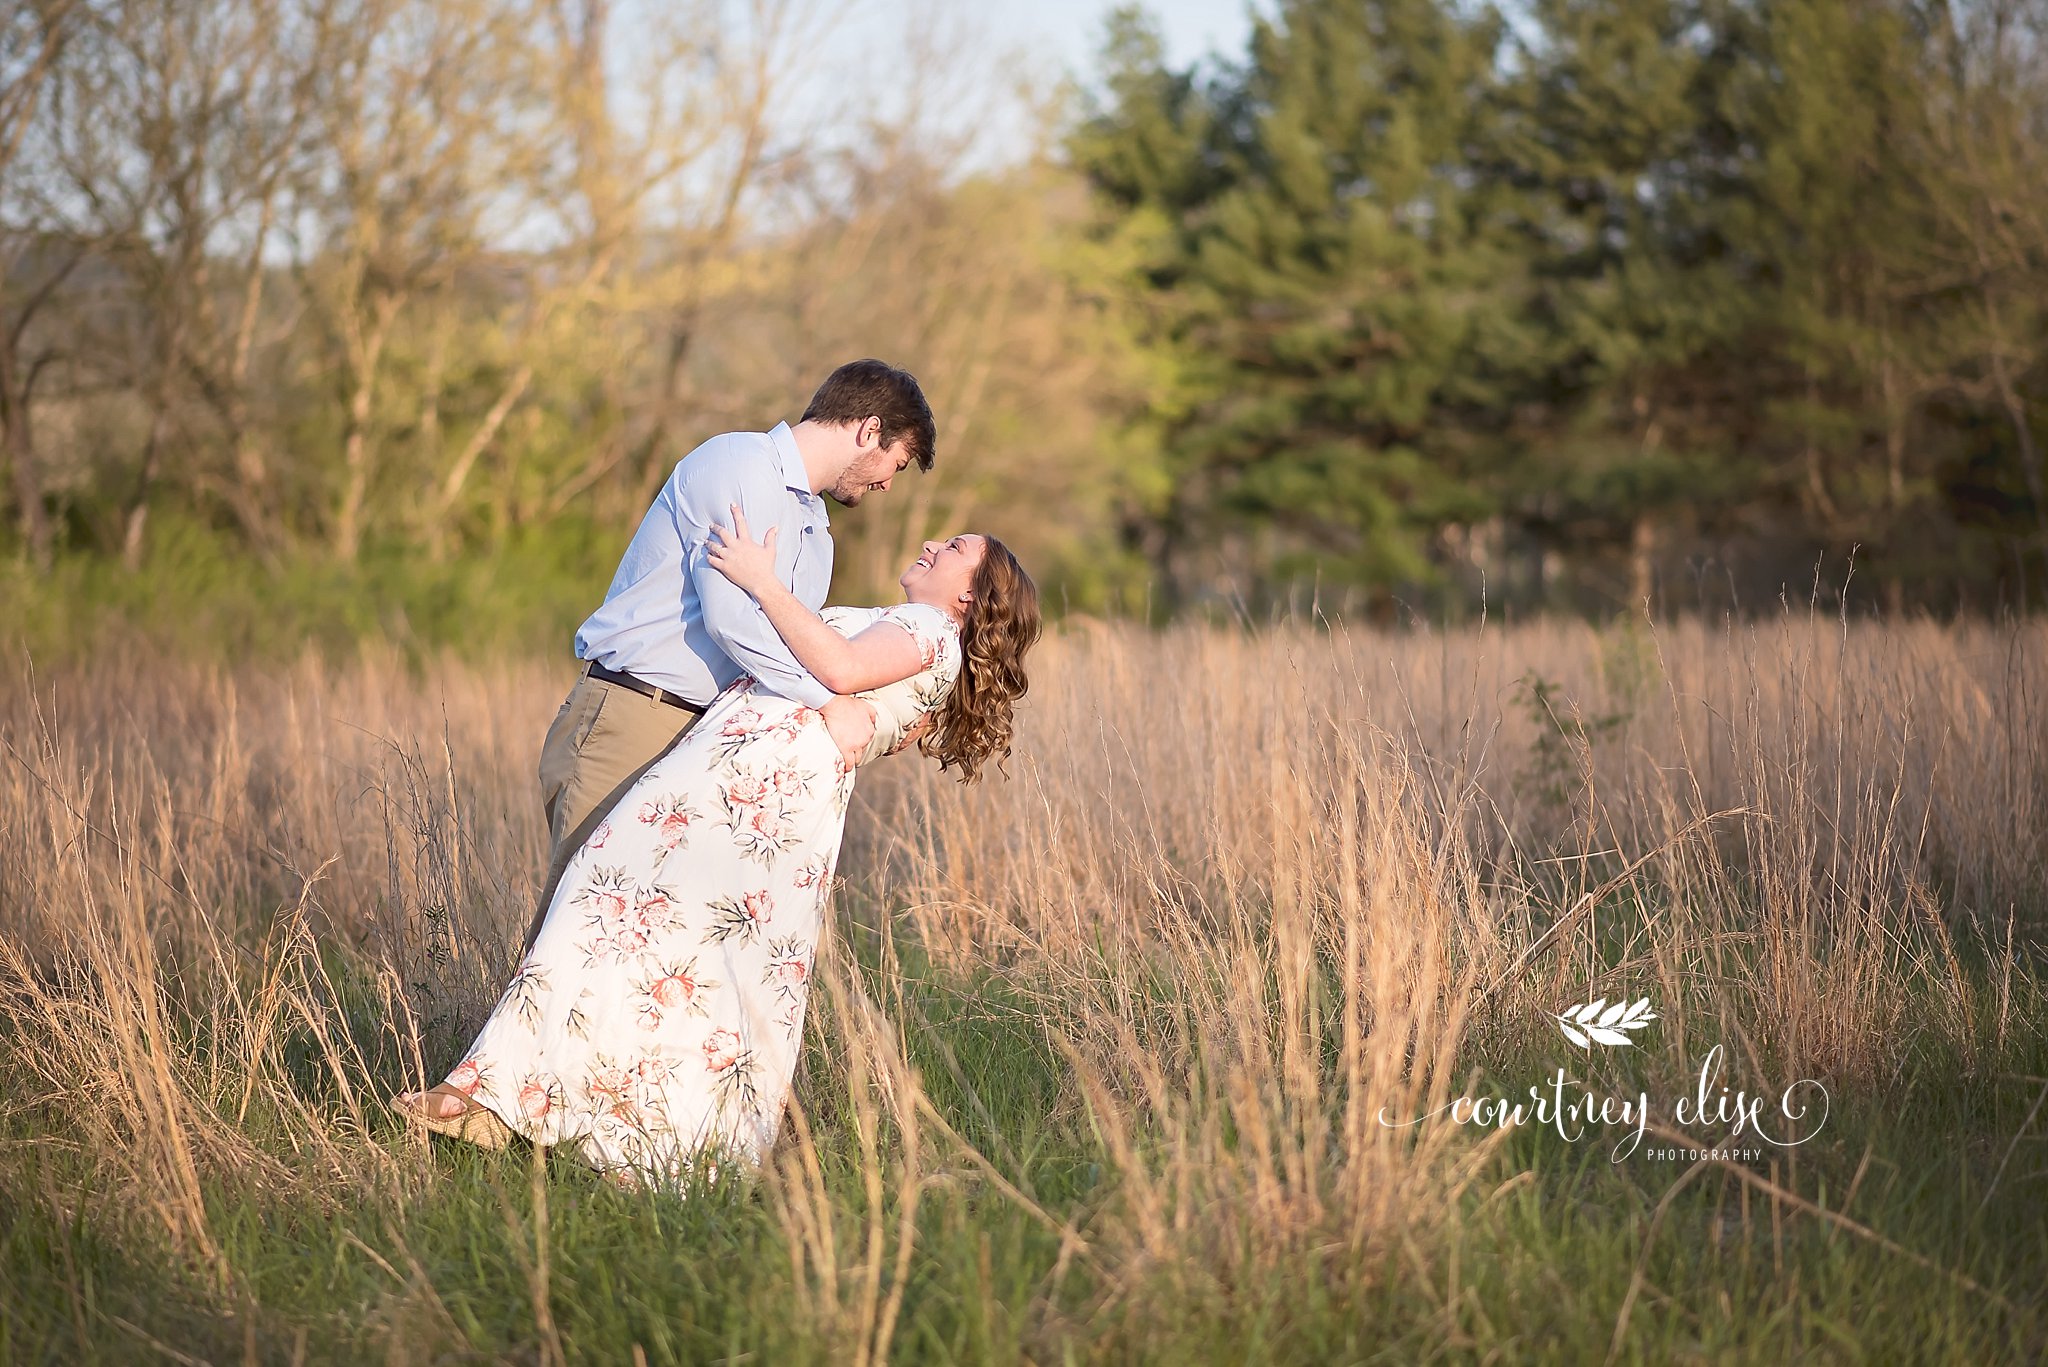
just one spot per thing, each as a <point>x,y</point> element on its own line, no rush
<point>1639,282</point>
<point>1327,280</point>
<point>1840,230</point>
<point>1611,132</point>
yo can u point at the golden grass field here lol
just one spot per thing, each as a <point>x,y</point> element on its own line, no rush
<point>1097,1064</point>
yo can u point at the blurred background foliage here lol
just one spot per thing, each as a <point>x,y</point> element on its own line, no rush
<point>326,319</point>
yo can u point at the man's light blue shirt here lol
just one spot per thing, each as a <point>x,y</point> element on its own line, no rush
<point>671,619</point>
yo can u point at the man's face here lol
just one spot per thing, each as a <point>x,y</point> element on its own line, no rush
<point>874,469</point>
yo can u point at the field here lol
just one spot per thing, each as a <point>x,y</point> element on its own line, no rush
<point>1100,1056</point>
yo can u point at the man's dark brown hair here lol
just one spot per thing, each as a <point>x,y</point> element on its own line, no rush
<point>874,389</point>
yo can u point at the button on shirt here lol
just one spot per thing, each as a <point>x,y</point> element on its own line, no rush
<point>671,619</point>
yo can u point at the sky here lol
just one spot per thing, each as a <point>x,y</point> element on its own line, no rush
<point>974,73</point>
<point>1070,31</point>
<point>986,50</point>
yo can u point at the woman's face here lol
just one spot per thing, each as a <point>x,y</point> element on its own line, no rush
<point>943,572</point>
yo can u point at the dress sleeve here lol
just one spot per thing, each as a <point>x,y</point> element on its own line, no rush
<point>937,637</point>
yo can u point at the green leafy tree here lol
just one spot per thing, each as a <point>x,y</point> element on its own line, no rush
<point>1852,343</point>
<point>1622,178</point>
<point>1323,278</point>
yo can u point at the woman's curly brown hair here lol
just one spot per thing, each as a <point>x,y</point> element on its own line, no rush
<point>1002,623</point>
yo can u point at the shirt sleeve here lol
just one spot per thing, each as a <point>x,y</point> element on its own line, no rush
<point>730,615</point>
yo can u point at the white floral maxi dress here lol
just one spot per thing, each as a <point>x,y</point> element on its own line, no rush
<point>662,1004</point>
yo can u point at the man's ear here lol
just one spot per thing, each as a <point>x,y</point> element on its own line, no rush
<point>870,431</point>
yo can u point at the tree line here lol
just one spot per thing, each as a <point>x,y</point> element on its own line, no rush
<point>1604,300</point>
<point>1574,303</point>
<point>367,291</point>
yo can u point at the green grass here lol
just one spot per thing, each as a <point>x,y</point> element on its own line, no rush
<point>200,595</point>
<point>1533,1264</point>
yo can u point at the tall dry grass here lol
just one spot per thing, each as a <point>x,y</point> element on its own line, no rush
<point>1250,889</point>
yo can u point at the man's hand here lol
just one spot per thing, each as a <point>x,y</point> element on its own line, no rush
<point>734,553</point>
<point>852,724</point>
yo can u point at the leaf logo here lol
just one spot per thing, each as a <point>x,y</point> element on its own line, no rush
<point>1598,1023</point>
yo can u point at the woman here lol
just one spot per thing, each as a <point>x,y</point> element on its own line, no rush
<point>661,1006</point>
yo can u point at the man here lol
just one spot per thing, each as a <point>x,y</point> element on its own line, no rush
<point>673,632</point>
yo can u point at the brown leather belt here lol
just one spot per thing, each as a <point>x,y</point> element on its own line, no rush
<point>640,686</point>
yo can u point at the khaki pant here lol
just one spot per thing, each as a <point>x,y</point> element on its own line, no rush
<point>601,741</point>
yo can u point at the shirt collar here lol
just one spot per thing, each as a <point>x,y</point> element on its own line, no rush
<point>794,475</point>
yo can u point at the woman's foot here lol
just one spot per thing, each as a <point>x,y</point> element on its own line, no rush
<point>444,1110</point>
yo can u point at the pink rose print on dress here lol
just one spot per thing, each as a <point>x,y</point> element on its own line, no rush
<point>790,782</point>
<point>775,720</point>
<point>742,728</point>
<point>789,967</point>
<point>621,944</point>
<point>731,1065</point>
<point>601,835</point>
<point>676,986</point>
<point>670,817</point>
<point>536,1098</point>
<point>467,1077</point>
<point>611,1091</point>
<point>722,1050</point>
<point>606,895</point>
<point>739,917</point>
<point>622,938</point>
<point>746,792</point>
<point>810,873</point>
<point>764,833</point>
<point>657,910</point>
<point>757,814</point>
<point>639,1087</point>
<point>652,1073</point>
